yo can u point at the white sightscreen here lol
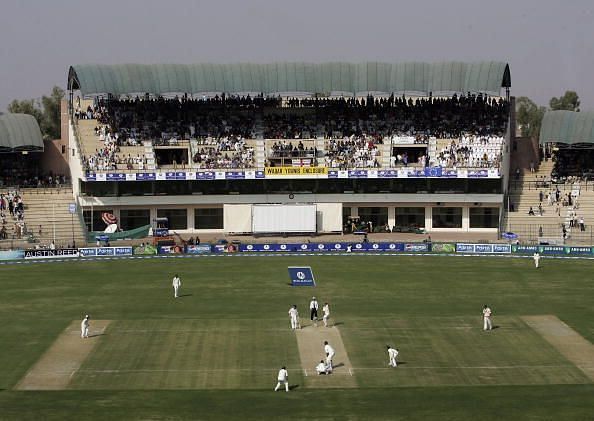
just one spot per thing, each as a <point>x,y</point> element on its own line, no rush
<point>237,218</point>
<point>329,217</point>
<point>269,219</point>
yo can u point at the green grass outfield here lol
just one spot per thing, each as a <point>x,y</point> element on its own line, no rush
<point>214,353</point>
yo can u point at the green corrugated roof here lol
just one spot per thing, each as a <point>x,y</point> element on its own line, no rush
<point>446,77</point>
<point>567,127</point>
<point>19,132</point>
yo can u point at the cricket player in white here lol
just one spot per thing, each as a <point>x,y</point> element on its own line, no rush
<point>283,378</point>
<point>329,354</point>
<point>321,368</point>
<point>392,354</point>
<point>487,323</point>
<point>536,258</point>
<point>84,327</point>
<point>313,310</point>
<point>326,310</point>
<point>176,285</point>
<point>294,316</point>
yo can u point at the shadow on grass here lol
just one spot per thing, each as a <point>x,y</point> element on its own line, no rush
<point>293,386</point>
<point>96,334</point>
<point>185,295</point>
<point>338,324</point>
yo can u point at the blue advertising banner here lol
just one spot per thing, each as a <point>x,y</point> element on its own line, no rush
<point>406,172</point>
<point>483,248</point>
<point>146,176</point>
<point>170,250</point>
<point>198,249</point>
<point>301,276</point>
<point>336,247</point>
<point>524,249</point>
<point>578,250</point>
<point>12,254</point>
<point>105,251</point>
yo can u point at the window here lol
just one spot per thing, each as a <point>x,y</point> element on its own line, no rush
<point>410,218</point>
<point>134,218</point>
<point>484,217</point>
<point>447,217</point>
<point>208,218</point>
<point>377,216</point>
<point>178,218</point>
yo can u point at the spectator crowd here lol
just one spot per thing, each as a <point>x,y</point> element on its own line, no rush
<point>353,127</point>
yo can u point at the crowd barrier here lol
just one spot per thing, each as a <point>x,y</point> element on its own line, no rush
<point>325,247</point>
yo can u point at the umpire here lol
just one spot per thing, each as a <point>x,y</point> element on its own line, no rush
<point>313,310</point>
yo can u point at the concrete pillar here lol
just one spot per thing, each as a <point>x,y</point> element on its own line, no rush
<point>465,218</point>
<point>428,220</point>
<point>190,218</point>
<point>391,216</point>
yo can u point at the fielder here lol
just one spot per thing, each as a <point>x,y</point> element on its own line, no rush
<point>487,323</point>
<point>329,354</point>
<point>283,378</point>
<point>322,368</point>
<point>176,285</point>
<point>84,327</point>
<point>313,311</point>
<point>392,354</point>
<point>326,310</point>
<point>294,316</point>
<point>536,258</point>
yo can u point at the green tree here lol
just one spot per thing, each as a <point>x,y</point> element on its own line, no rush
<point>570,101</point>
<point>529,116</point>
<point>46,111</point>
<point>26,106</point>
<point>50,125</point>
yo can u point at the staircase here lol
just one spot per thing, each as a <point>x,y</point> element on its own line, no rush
<point>524,193</point>
<point>90,143</point>
<point>260,154</point>
<point>49,208</point>
<point>385,153</point>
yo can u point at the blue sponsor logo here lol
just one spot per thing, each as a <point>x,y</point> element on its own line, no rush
<point>123,251</point>
<point>416,247</point>
<point>301,276</point>
<point>464,248</point>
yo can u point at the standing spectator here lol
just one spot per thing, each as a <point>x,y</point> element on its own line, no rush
<point>283,378</point>
<point>487,323</point>
<point>313,310</point>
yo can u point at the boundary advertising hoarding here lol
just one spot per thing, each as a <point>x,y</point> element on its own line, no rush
<point>50,254</point>
<point>483,248</point>
<point>105,251</point>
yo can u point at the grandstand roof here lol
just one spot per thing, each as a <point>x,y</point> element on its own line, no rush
<point>567,127</point>
<point>19,132</point>
<point>274,78</point>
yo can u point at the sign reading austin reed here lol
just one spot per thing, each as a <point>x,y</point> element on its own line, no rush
<point>301,276</point>
<point>51,254</point>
